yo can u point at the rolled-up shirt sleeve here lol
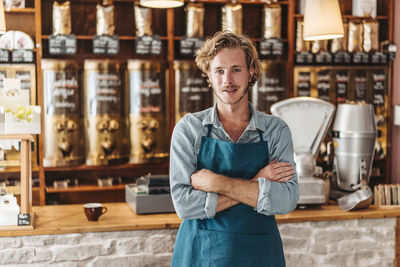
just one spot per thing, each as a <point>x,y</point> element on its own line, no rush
<point>188,202</point>
<point>273,197</point>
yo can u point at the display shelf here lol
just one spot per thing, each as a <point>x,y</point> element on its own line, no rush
<point>90,37</point>
<point>106,167</point>
<point>237,2</point>
<point>20,10</point>
<point>16,169</point>
<point>351,17</point>
<point>84,188</point>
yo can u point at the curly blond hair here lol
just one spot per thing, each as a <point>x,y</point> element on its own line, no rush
<point>226,39</point>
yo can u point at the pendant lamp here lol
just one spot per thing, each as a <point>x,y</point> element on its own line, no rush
<point>161,3</point>
<point>322,20</point>
<point>2,18</point>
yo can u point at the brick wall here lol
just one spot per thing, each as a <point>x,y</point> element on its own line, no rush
<point>368,242</point>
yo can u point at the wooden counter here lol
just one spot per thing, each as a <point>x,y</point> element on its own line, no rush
<point>63,219</point>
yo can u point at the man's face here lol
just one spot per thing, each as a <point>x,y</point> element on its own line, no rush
<point>229,76</point>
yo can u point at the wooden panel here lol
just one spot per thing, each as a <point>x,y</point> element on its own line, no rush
<point>24,22</point>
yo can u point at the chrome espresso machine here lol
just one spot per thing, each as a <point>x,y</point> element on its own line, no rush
<point>309,120</point>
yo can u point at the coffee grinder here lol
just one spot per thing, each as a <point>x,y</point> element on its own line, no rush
<point>354,136</point>
<point>308,120</point>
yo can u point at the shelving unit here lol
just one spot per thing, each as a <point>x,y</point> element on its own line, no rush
<point>169,25</point>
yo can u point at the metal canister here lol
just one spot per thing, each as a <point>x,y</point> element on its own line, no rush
<point>63,116</point>
<point>105,113</point>
<point>192,92</point>
<point>148,110</point>
<point>354,136</point>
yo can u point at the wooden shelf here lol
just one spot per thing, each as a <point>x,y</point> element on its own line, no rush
<point>90,37</point>
<point>84,188</point>
<point>351,17</point>
<point>178,38</point>
<point>104,167</point>
<point>16,169</point>
<point>20,10</point>
<point>237,2</point>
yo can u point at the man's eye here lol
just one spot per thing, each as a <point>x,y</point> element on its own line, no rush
<point>219,71</point>
<point>236,70</point>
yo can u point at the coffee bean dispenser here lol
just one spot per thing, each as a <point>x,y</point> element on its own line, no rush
<point>148,115</point>
<point>63,115</point>
<point>105,113</point>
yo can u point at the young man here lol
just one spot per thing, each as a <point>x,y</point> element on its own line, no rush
<point>231,167</point>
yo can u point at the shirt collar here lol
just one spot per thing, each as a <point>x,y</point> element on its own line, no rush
<point>212,118</point>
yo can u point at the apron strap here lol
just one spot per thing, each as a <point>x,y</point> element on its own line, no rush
<point>209,130</point>
<point>260,133</point>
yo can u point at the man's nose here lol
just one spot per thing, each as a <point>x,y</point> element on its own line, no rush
<point>228,78</point>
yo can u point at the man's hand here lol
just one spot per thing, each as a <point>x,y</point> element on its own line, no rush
<point>275,171</point>
<point>205,180</point>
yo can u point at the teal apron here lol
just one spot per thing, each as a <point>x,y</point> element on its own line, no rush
<point>237,236</point>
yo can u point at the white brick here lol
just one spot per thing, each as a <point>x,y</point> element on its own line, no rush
<point>132,245</point>
<point>140,260</point>
<point>38,240</point>
<point>10,242</point>
<point>295,244</point>
<point>20,255</point>
<point>81,252</point>
<point>319,249</point>
<point>295,230</point>
<point>335,235</point>
<point>381,222</point>
<point>159,244</point>
<point>42,255</point>
<point>300,260</point>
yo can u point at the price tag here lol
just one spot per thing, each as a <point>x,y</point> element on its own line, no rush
<point>342,57</point>
<point>189,46</point>
<point>323,57</point>
<point>304,58</point>
<point>4,55</point>
<point>24,219</point>
<point>148,45</point>
<point>106,44</point>
<point>62,45</point>
<point>271,47</point>
<point>22,56</point>
<point>379,58</point>
<point>360,58</point>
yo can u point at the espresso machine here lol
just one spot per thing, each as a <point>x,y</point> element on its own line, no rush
<point>354,136</point>
<point>308,120</point>
<point>192,92</point>
<point>105,113</point>
<point>63,115</point>
<point>148,110</point>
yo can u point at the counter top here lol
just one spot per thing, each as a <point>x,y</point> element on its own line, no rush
<point>63,219</point>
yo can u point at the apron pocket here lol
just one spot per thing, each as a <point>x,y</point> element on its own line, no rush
<point>217,247</point>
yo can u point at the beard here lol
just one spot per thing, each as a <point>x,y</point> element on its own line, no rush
<point>233,101</point>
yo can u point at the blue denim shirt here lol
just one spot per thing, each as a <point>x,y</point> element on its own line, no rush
<point>273,198</point>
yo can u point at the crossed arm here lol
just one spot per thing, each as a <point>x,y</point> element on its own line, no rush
<point>233,191</point>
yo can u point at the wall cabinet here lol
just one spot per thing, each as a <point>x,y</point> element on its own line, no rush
<point>170,26</point>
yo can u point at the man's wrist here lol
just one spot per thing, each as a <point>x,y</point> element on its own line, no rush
<point>223,184</point>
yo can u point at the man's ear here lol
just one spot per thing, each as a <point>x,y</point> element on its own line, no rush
<point>251,74</point>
